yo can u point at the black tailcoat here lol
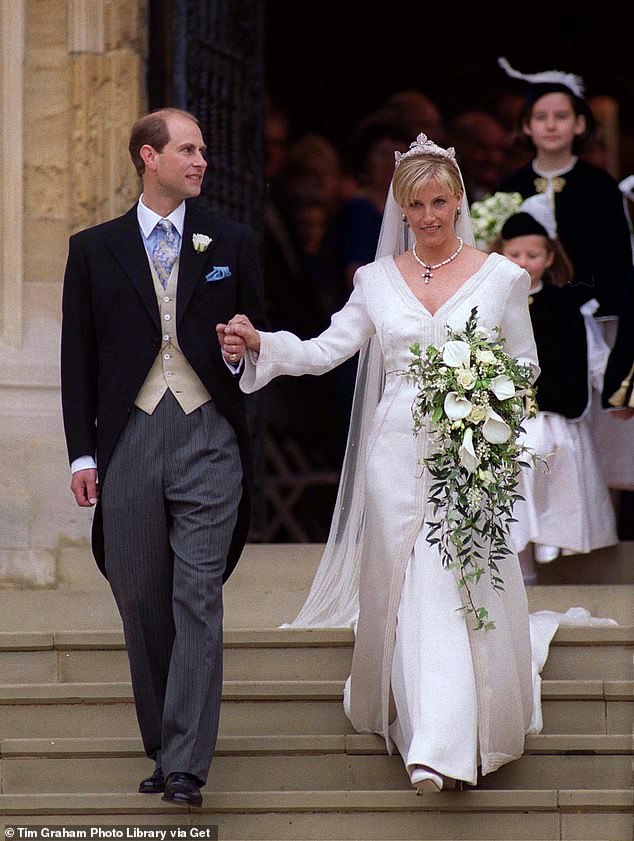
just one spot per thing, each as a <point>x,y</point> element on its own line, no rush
<point>111,334</point>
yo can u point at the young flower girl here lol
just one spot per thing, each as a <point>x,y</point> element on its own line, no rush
<point>566,507</point>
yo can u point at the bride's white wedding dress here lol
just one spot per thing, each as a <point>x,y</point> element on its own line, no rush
<point>449,697</point>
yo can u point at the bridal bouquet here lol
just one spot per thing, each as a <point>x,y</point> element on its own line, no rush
<point>473,396</point>
<point>489,215</point>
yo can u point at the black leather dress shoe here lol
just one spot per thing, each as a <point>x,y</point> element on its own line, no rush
<point>183,789</point>
<point>154,784</point>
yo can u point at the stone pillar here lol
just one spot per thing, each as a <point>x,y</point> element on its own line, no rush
<point>72,83</point>
<point>106,43</point>
<point>11,100</point>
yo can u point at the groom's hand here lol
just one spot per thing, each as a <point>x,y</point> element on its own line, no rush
<point>240,328</point>
<point>84,487</point>
<point>232,346</point>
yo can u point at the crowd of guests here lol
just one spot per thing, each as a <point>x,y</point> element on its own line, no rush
<point>323,215</point>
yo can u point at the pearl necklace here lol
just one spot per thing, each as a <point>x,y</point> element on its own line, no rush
<point>427,274</point>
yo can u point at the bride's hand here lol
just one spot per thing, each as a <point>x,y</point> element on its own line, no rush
<point>240,326</point>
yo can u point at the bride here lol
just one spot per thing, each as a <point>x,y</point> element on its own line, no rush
<point>455,701</point>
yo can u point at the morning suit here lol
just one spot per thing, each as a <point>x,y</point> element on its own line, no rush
<point>175,482</point>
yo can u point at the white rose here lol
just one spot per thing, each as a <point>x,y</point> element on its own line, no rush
<point>456,354</point>
<point>456,407</point>
<point>476,415</point>
<point>495,429</point>
<point>487,357</point>
<point>468,458</point>
<point>465,378</point>
<point>502,386</point>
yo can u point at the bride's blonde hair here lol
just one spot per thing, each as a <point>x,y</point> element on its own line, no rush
<point>415,172</point>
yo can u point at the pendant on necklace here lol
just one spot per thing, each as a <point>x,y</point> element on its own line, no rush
<point>427,275</point>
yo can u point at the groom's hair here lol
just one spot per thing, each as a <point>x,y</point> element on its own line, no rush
<point>152,130</point>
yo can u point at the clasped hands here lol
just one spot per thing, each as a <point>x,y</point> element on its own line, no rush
<point>235,337</point>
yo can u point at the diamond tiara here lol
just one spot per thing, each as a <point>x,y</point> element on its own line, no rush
<point>424,146</point>
<point>569,80</point>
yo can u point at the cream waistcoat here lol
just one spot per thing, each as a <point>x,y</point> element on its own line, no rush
<point>170,370</point>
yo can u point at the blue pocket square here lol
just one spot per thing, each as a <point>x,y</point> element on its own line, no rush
<point>218,273</point>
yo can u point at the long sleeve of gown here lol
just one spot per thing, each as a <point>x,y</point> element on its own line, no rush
<point>283,353</point>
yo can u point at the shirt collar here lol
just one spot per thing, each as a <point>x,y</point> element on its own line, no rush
<point>148,218</point>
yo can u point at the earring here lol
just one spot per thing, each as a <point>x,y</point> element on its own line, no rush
<point>458,211</point>
<point>404,218</point>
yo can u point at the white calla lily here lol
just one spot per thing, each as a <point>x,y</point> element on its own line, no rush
<point>495,429</point>
<point>456,354</point>
<point>502,386</point>
<point>457,407</point>
<point>468,458</point>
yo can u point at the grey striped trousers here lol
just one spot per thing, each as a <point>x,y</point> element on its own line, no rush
<point>170,501</point>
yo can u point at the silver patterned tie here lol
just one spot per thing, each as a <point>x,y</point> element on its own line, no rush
<point>166,251</point>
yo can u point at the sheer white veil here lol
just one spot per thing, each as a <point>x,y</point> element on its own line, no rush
<point>333,599</point>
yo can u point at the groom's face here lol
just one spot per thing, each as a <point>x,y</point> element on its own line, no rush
<point>180,166</point>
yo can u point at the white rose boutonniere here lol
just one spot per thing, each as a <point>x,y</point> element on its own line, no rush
<point>201,242</point>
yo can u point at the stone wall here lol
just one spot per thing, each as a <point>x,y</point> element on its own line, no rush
<point>77,72</point>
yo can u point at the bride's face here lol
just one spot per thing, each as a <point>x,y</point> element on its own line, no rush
<point>432,213</point>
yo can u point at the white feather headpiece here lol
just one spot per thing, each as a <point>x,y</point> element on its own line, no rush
<point>423,146</point>
<point>571,81</point>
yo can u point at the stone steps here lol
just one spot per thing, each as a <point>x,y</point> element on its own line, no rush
<point>302,763</point>
<point>289,766</point>
<point>387,815</point>
<point>280,654</point>
<point>279,707</point>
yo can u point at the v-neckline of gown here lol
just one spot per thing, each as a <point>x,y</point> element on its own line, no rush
<point>457,295</point>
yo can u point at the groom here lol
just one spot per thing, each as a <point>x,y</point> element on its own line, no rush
<point>157,435</point>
